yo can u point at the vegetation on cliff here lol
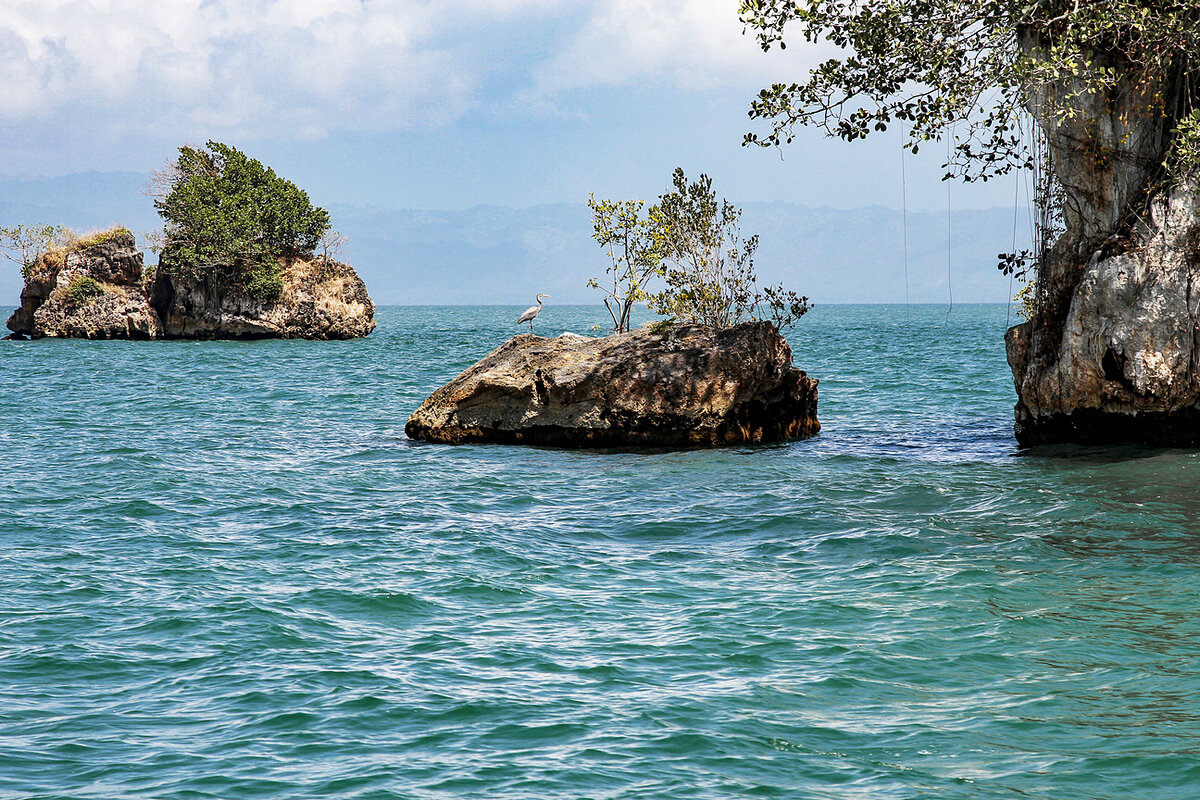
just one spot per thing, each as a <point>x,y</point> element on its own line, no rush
<point>36,247</point>
<point>932,65</point>
<point>25,244</point>
<point>974,72</point>
<point>231,219</point>
<point>689,249</point>
<point>84,289</point>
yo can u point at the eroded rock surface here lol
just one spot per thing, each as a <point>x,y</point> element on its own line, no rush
<point>690,385</point>
<point>90,292</point>
<point>320,300</point>
<point>1112,352</point>
<point>1126,363</point>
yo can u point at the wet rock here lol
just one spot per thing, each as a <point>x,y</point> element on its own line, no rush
<point>688,385</point>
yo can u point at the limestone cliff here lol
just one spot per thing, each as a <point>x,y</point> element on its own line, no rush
<point>320,300</point>
<point>690,385</point>
<point>1112,353</point>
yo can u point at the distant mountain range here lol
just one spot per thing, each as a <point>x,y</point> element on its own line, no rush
<point>490,254</point>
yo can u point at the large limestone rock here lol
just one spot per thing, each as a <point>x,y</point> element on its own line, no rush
<point>1113,352</point>
<point>321,300</point>
<point>689,385</point>
<point>92,290</point>
<point>1126,363</point>
<point>1103,151</point>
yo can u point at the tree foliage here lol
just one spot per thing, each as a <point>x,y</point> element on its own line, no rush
<point>969,67</point>
<point>689,246</point>
<point>1113,86</point>
<point>708,268</point>
<point>24,243</point>
<point>228,216</point>
<point>635,243</point>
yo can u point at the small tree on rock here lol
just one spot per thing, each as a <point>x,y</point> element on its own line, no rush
<point>709,268</point>
<point>24,243</point>
<point>691,245</point>
<point>635,245</point>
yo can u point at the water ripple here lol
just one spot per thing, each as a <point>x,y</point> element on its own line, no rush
<point>226,573</point>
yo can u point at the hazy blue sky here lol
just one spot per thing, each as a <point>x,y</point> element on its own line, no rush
<point>442,104</point>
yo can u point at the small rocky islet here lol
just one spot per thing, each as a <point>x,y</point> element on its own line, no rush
<point>657,386</point>
<point>99,288</point>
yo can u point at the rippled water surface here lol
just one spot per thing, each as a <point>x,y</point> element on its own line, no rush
<point>225,573</point>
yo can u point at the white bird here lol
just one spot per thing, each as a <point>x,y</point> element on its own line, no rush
<point>532,312</point>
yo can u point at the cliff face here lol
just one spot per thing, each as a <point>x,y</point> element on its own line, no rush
<point>101,291</point>
<point>1106,148</point>
<point>1112,354</point>
<point>692,385</point>
<point>320,300</point>
<point>1125,362</point>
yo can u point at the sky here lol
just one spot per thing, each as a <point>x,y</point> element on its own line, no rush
<point>439,104</point>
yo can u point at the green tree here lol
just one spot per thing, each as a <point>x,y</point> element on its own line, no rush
<point>24,243</point>
<point>971,68</point>
<point>230,217</point>
<point>708,268</point>
<point>1100,100</point>
<point>689,245</point>
<point>634,242</point>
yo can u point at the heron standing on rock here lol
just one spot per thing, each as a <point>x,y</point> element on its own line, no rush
<point>532,312</point>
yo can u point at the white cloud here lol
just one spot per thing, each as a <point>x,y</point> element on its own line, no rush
<point>271,63</point>
<point>305,68</point>
<point>687,44</point>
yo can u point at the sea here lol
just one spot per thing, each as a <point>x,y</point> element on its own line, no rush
<point>226,573</point>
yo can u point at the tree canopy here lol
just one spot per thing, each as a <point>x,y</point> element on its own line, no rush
<point>970,66</point>
<point>229,216</point>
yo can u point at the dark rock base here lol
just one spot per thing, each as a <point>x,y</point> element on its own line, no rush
<point>793,417</point>
<point>1155,428</point>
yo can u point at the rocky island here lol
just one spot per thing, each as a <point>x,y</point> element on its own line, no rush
<point>98,288</point>
<point>684,385</point>
<point>715,370</point>
<point>239,261</point>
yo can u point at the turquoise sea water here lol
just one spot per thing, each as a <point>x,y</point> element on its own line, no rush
<point>225,573</point>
